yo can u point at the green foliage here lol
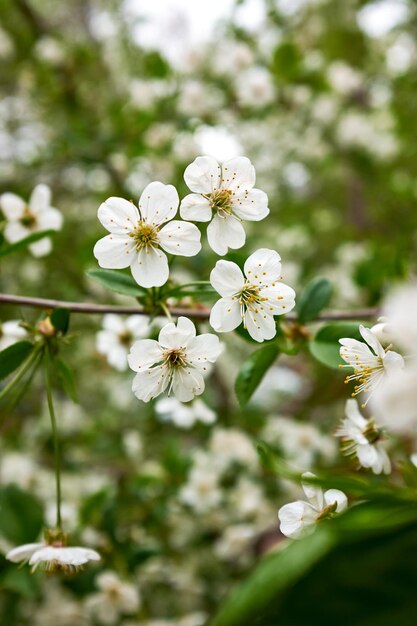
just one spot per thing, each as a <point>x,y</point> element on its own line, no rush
<point>118,282</point>
<point>325,345</point>
<point>66,378</point>
<point>253,370</point>
<point>60,319</point>
<point>13,356</point>
<point>314,298</point>
<point>21,518</point>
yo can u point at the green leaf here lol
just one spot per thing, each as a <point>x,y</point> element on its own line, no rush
<point>325,345</point>
<point>21,581</point>
<point>23,243</point>
<point>21,518</point>
<point>252,372</point>
<point>314,298</point>
<point>13,356</point>
<point>118,282</point>
<point>60,319</point>
<point>66,379</point>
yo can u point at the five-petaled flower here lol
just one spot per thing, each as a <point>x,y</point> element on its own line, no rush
<point>371,363</point>
<point>138,237</point>
<point>226,196</point>
<point>253,298</point>
<point>299,518</point>
<point>362,438</point>
<point>178,361</point>
<point>25,218</point>
<point>118,335</point>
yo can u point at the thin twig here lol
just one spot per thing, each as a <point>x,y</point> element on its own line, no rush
<point>195,313</point>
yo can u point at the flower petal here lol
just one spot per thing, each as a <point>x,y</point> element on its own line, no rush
<point>14,231</point>
<point>195,208</point>
<point>263,266</point>
<point>150,383</point>
<point>296,519</point>
<point>227,278</point>
<point>371,340</point>
<point>259,325</point>
<point>177,336</point>
<point>280,299</point>
<point>335,495</point>
<point>41,248</point>
<point>238,174</point>
<point>225,315</point>
<point>144,354</point>
<point>50,219</point>
<point>12,206</point>
<point>187,383</point>
<point>203,175</point>
<point>354,415</point>
<point>23,553</point>
<point>115,251</point>
<point>393,361</point>
<point>118,216</point>
<point>224,233</point>
<point>180,238</point>
<point>158,203</point>
<point>251,206</point>
<point>203,348</point>
<point>150,267</point>
<point>40,199</point>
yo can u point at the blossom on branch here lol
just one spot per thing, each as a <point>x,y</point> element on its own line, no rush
<point>117,336</point>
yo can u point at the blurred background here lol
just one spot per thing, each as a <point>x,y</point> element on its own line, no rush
<point>98,99</point>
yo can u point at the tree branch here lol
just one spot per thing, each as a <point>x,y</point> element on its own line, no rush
<point>195,313</point>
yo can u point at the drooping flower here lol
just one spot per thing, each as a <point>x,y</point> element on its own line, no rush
<point>299,518</point>
<point>114,598</point>
<point>53,554</point>
<point>224,196</point>
<point>362,438</point>
<point>138,238</point>
<point>371,363</point>
<point>253,298</point>
<point>24,218</point>
<point>11,332</point>
<point>177,362</point>
<point>118,335</point>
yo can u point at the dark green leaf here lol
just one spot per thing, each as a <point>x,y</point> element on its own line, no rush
<point>314,298</point>
<point>21,581</point>
<point>21,517</point>
<point>253,370</point>
<point>60,319</point>
<point>325,345</point>
<point>66,379</point>
<point>23,243</point>
<point>13,356</point>
<point>118,282</point>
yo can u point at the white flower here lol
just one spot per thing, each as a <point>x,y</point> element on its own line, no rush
<point>178,361</point>
<point>117,336</point>
<point>184,415</point>
<point>52,557</point>
<point>202,491</point>
<point>370,362</point>
<point>225,195</point>
<point>254,298</point>
<point>255,88</point>
<point>10,333</point>
<point>114,599</point>
<point>361,437</point>
<point>137,236</point>
<point>400,311</point>
<point>396,404</point>
<point>298,518</point>
<point>24,218</point>
<point>229,445</point>
<point>235,542</point>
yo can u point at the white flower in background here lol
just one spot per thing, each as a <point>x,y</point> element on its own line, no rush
<point>52,557</point>
<point>344,78</point>
<point>400,312</point>
<point>229,445</point>
<point>248,499</point>
<point>396,404</point>
<point>362,438</point>
<point>253,298</point>
<point>235,542</point>
<point>177,362</point>
<point>117,337</point>
<point>370,362</point>
<point>299,518</point>
<point>114,599</point>
<point>202,491</point>
<point>226,196</point>
<point>138,237</point>
<point>184,415</point>
<point>11,332</point>
<point>255,88</point>
<point>25,218</point>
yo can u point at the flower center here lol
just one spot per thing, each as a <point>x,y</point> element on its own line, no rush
<point>144,235</point>
<point>28,219</point>
<point>365,374</point>
<point>125,338</point>
<point>221,202</point>
<point>175,358</point>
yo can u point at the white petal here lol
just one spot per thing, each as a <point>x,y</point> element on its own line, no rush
<point>224,233</point>
<point>113,323</point>
<point>227,278</point>
<point>195,208</point>
<point>371,340</point>
<point>14,231</point>
<point>50,219</point>
<point>393,361</point>
<point>118,216</point>
<point>187,383</point>
<point>335,495</point>
<point>117,358</point>
<point>150,268</point>
<point>238,174</point>
<point>259,325</point>
<point>40,199</point>
<point>115,251</point>
<point>158,203</point>
<point>296,519</point>
<point>263,266</point>
<point>180,238</point>
<point>354,415</point>
<point>41,248</point>
<point>12,206</point>
<point>368,457</point>
<point>280,299</point>
<point>313,492</point>
<point>251,206</point>
<point>203,348</point>
<point>23,553</point>
<point>106,341</point>
<point>150,383</point>
<point>177,336</point>
<point>138,325</point>
<point>184,324</point>
<point>225,315</point>
<point>203,175</point>
<point>143,354</point>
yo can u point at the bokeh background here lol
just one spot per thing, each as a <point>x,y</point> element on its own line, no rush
<point>98,99</point>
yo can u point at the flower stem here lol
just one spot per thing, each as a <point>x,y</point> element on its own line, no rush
<point>166,311</point>
<point>55,437</point>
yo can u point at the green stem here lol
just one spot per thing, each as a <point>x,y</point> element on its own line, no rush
<point>166,310</point>
<point>55,438</point>
<point>21,372</point>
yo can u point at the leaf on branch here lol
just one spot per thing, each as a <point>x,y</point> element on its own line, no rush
<point>252,372</point>
<point>60,319</point>
<point>21,518</point>
<point>66,379</point>
<point>23,243</point>
<point>325,345</point>
<point>314,298</point>
<point>117,282</point>
<point>13,356</point>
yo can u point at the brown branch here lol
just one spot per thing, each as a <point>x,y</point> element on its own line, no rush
<point>196,313</point>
